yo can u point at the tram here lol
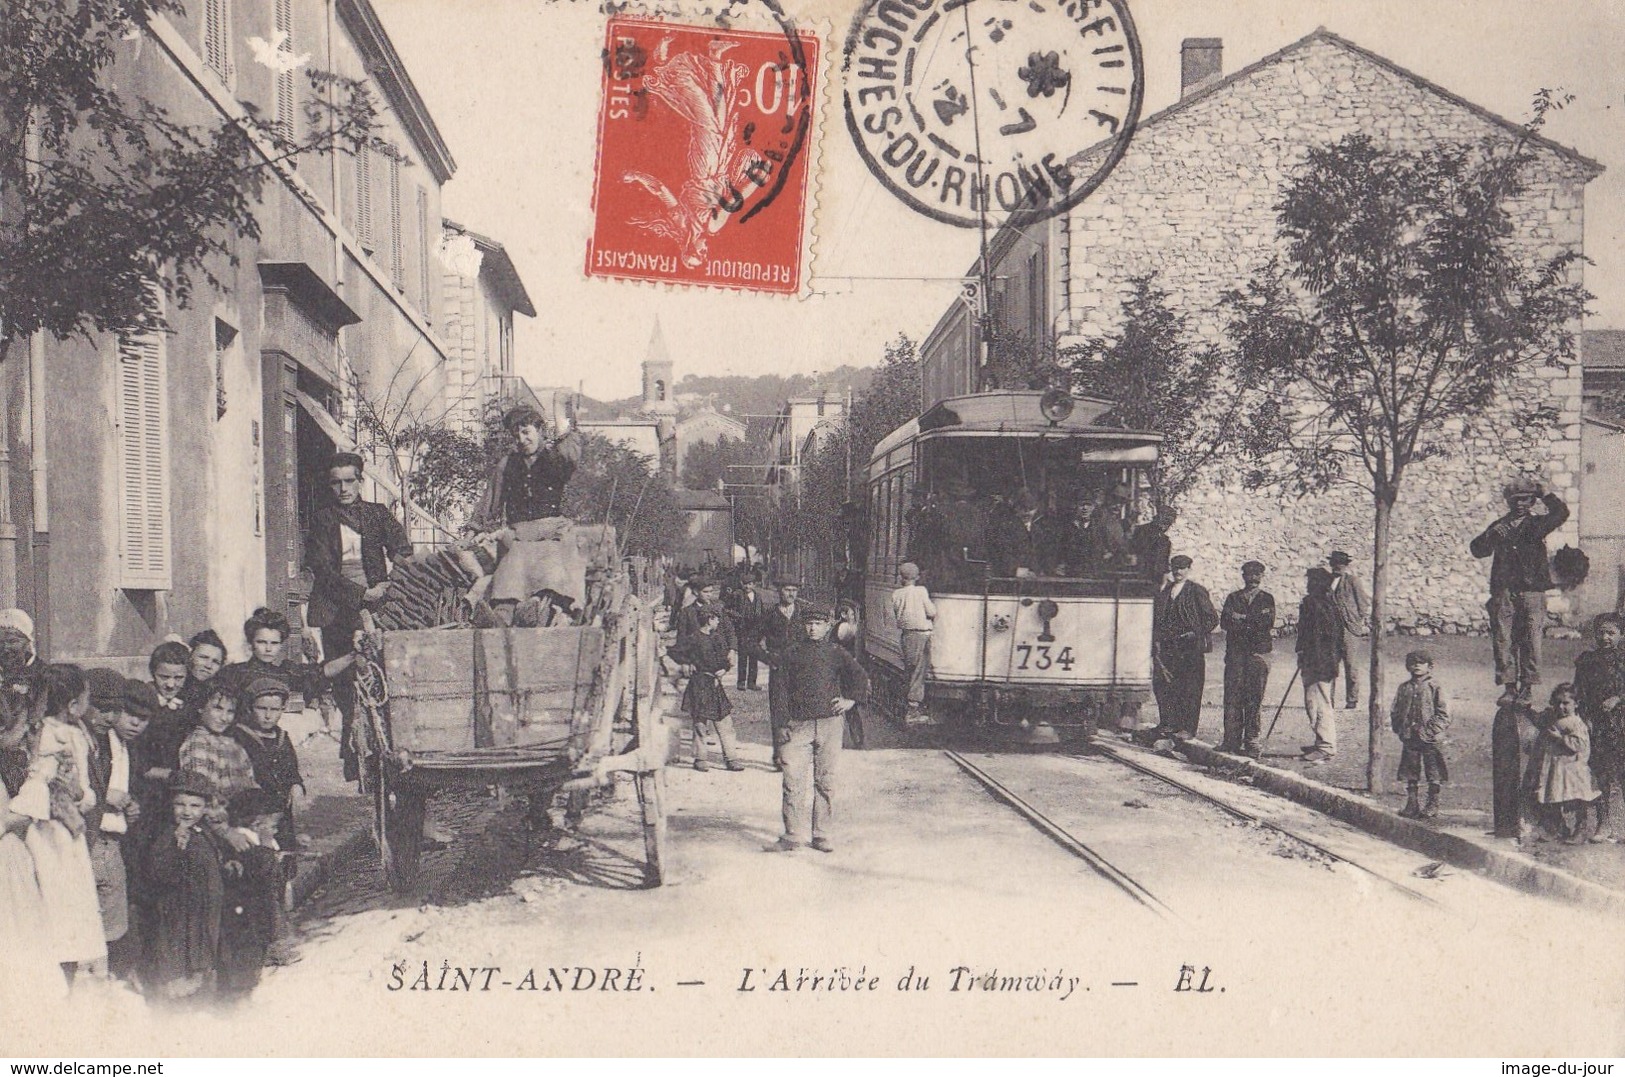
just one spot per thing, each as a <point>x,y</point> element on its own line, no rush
<point>1046,654</point>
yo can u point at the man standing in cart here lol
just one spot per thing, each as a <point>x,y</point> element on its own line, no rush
<point>528,482</point>
<point>350,550</point>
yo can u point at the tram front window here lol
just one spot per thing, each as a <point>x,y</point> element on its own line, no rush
<point>1006,507</point>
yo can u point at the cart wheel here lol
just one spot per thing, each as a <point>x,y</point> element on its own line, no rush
<point>652,799</point>
<point>403,836</point>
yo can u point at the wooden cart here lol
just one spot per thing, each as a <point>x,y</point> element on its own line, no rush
<point>538,711</point>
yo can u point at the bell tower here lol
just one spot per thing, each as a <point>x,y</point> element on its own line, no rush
<point>658,401</point>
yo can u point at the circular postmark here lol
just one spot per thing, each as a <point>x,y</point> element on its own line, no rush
<point>979,112</point>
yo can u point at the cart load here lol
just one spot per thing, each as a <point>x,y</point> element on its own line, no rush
<point>559,706</point>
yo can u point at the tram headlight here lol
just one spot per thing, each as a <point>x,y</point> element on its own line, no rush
<point>1056,404</point>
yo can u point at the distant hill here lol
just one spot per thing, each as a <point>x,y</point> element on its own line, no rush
<point>755,400</point>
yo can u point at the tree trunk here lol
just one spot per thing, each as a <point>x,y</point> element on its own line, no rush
<point>1376,768</point>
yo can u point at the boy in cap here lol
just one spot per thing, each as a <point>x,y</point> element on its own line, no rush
<point>528,482</point>
<point>184,871</point>
<point>915,614</point>
<point>1520,576</point>
<point>270,750</point>
<point>1248,620</point>
<point>1420,718</point>
<point>822,683</point>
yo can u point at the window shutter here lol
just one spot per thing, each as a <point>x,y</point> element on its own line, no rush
<point>397,269</point>
<point>217,37</point>
<point>423,251</point>
<point>143,465</point>
<point>363,197</point>
<point>287,104</point>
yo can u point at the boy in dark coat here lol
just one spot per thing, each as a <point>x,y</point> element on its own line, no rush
<point>1420,718</point>
<point>822,683</point>
<point>270,749</point>
<point>253,879</point>
<point>184,870</point>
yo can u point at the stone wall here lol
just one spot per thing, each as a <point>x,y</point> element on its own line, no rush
<point>1194,199</point>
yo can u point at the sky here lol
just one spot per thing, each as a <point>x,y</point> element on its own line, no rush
<point>515,85</point>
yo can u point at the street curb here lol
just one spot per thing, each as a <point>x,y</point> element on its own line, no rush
<point>1502,865</point>
<point>316,870</point>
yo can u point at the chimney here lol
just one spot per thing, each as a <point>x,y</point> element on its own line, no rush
<point>1201,63</point>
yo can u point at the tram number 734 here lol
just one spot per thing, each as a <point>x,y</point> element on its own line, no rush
<point>1043,656</point>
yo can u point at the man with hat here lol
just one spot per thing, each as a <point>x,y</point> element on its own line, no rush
<point>1248,620</point>
<point>770,639</point>
<point>915,614</point>
<point>1351,606</point>
<point>822,683</point>
<point>350,551</point>
<point>528,482</point>
<point>1520,576</point>
<point>1182,620</point>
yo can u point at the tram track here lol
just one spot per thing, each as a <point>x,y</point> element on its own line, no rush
<point>1062,837</point>
<point>1116,755</point>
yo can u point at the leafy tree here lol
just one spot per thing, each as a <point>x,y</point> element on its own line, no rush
<point>1017,361</point>
<point>1402,301</point>
<point>707,464</point>
<point>1163,380</point>
<point>108,206</point>
<point>615,484</point>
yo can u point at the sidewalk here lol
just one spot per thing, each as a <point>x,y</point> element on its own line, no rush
<point>1462,667</point>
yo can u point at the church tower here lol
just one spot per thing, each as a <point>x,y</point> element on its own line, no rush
<point>658,402</point>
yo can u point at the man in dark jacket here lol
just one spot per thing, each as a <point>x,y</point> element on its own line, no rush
<point>528,483</point>
<point>1320,647</point>
<point>823,682</point>
<point>1351,604</point>
<point>1248,620</point>
<point>1519,579</point>
<point>350,549</point>
<point>745,608</point>
<point>770,639</point>
<point>1182,619</point>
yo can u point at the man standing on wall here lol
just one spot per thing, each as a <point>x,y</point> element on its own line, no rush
<point>350,550</point>
<point>1520,576</point>
<point>1351,605</point>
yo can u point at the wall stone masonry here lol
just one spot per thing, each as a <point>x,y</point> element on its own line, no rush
<point>1194,199</point>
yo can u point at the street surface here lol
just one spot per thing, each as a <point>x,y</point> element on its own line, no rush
<point>931,873</point>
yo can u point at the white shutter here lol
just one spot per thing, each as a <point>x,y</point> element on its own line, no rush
<point>423,253</point>
<point>397,268</point>
<point>143,465</point>
<point>217,37</point>
<point>363,197</point>
<point>287,102</point>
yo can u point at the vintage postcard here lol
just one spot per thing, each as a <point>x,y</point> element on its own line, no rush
<point>802,528</point>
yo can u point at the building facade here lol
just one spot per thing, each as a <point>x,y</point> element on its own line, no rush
<point>163,484</point>
<point>1193,200</point>
<point>481,293</point>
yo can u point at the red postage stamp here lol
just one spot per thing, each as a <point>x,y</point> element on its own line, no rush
<point>703,155</point>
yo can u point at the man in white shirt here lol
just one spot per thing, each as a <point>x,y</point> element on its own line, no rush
<point>914,612</point>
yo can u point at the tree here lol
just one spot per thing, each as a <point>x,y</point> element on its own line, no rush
<point>1402,302</point>
<point>1162,379</point>
<point>108,206</point>
<point>1017,361</point>
<point>616,485</point>
<point>729,460</point>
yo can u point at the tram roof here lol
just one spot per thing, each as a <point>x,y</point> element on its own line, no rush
<point>1011,413</point>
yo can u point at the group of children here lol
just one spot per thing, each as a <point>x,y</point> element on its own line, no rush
<point>1576,745</point>
<point>146,827</point>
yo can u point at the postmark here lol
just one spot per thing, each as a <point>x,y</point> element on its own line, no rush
<point>974,112</point>
<point>702,164</point>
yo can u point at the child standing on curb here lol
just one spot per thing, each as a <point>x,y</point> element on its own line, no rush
<point>1420,718</point>
<point>1563,755</point>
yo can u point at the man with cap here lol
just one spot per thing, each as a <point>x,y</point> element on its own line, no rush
<point>350,551</point>
<point>1182,620</point>
<point>745,609</point>
<point>1248,620</point>
<point>771,638</point>
<point>1520,576</point>
<point>707,591</point>
<point>528,482</point>
<point>915,614</point>
<point>822,683</point>
<point>1351,606</point>
<point>1011,546</point>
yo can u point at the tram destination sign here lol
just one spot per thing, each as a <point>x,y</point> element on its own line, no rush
<point>981,113</point>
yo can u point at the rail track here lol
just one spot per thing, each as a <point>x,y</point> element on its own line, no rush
<point>1116,875</point>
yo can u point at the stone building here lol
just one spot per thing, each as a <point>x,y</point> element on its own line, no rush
<point>705,426</point>
<point>481,294</point>
<point>1194,201</point>
<point>163,484</point>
